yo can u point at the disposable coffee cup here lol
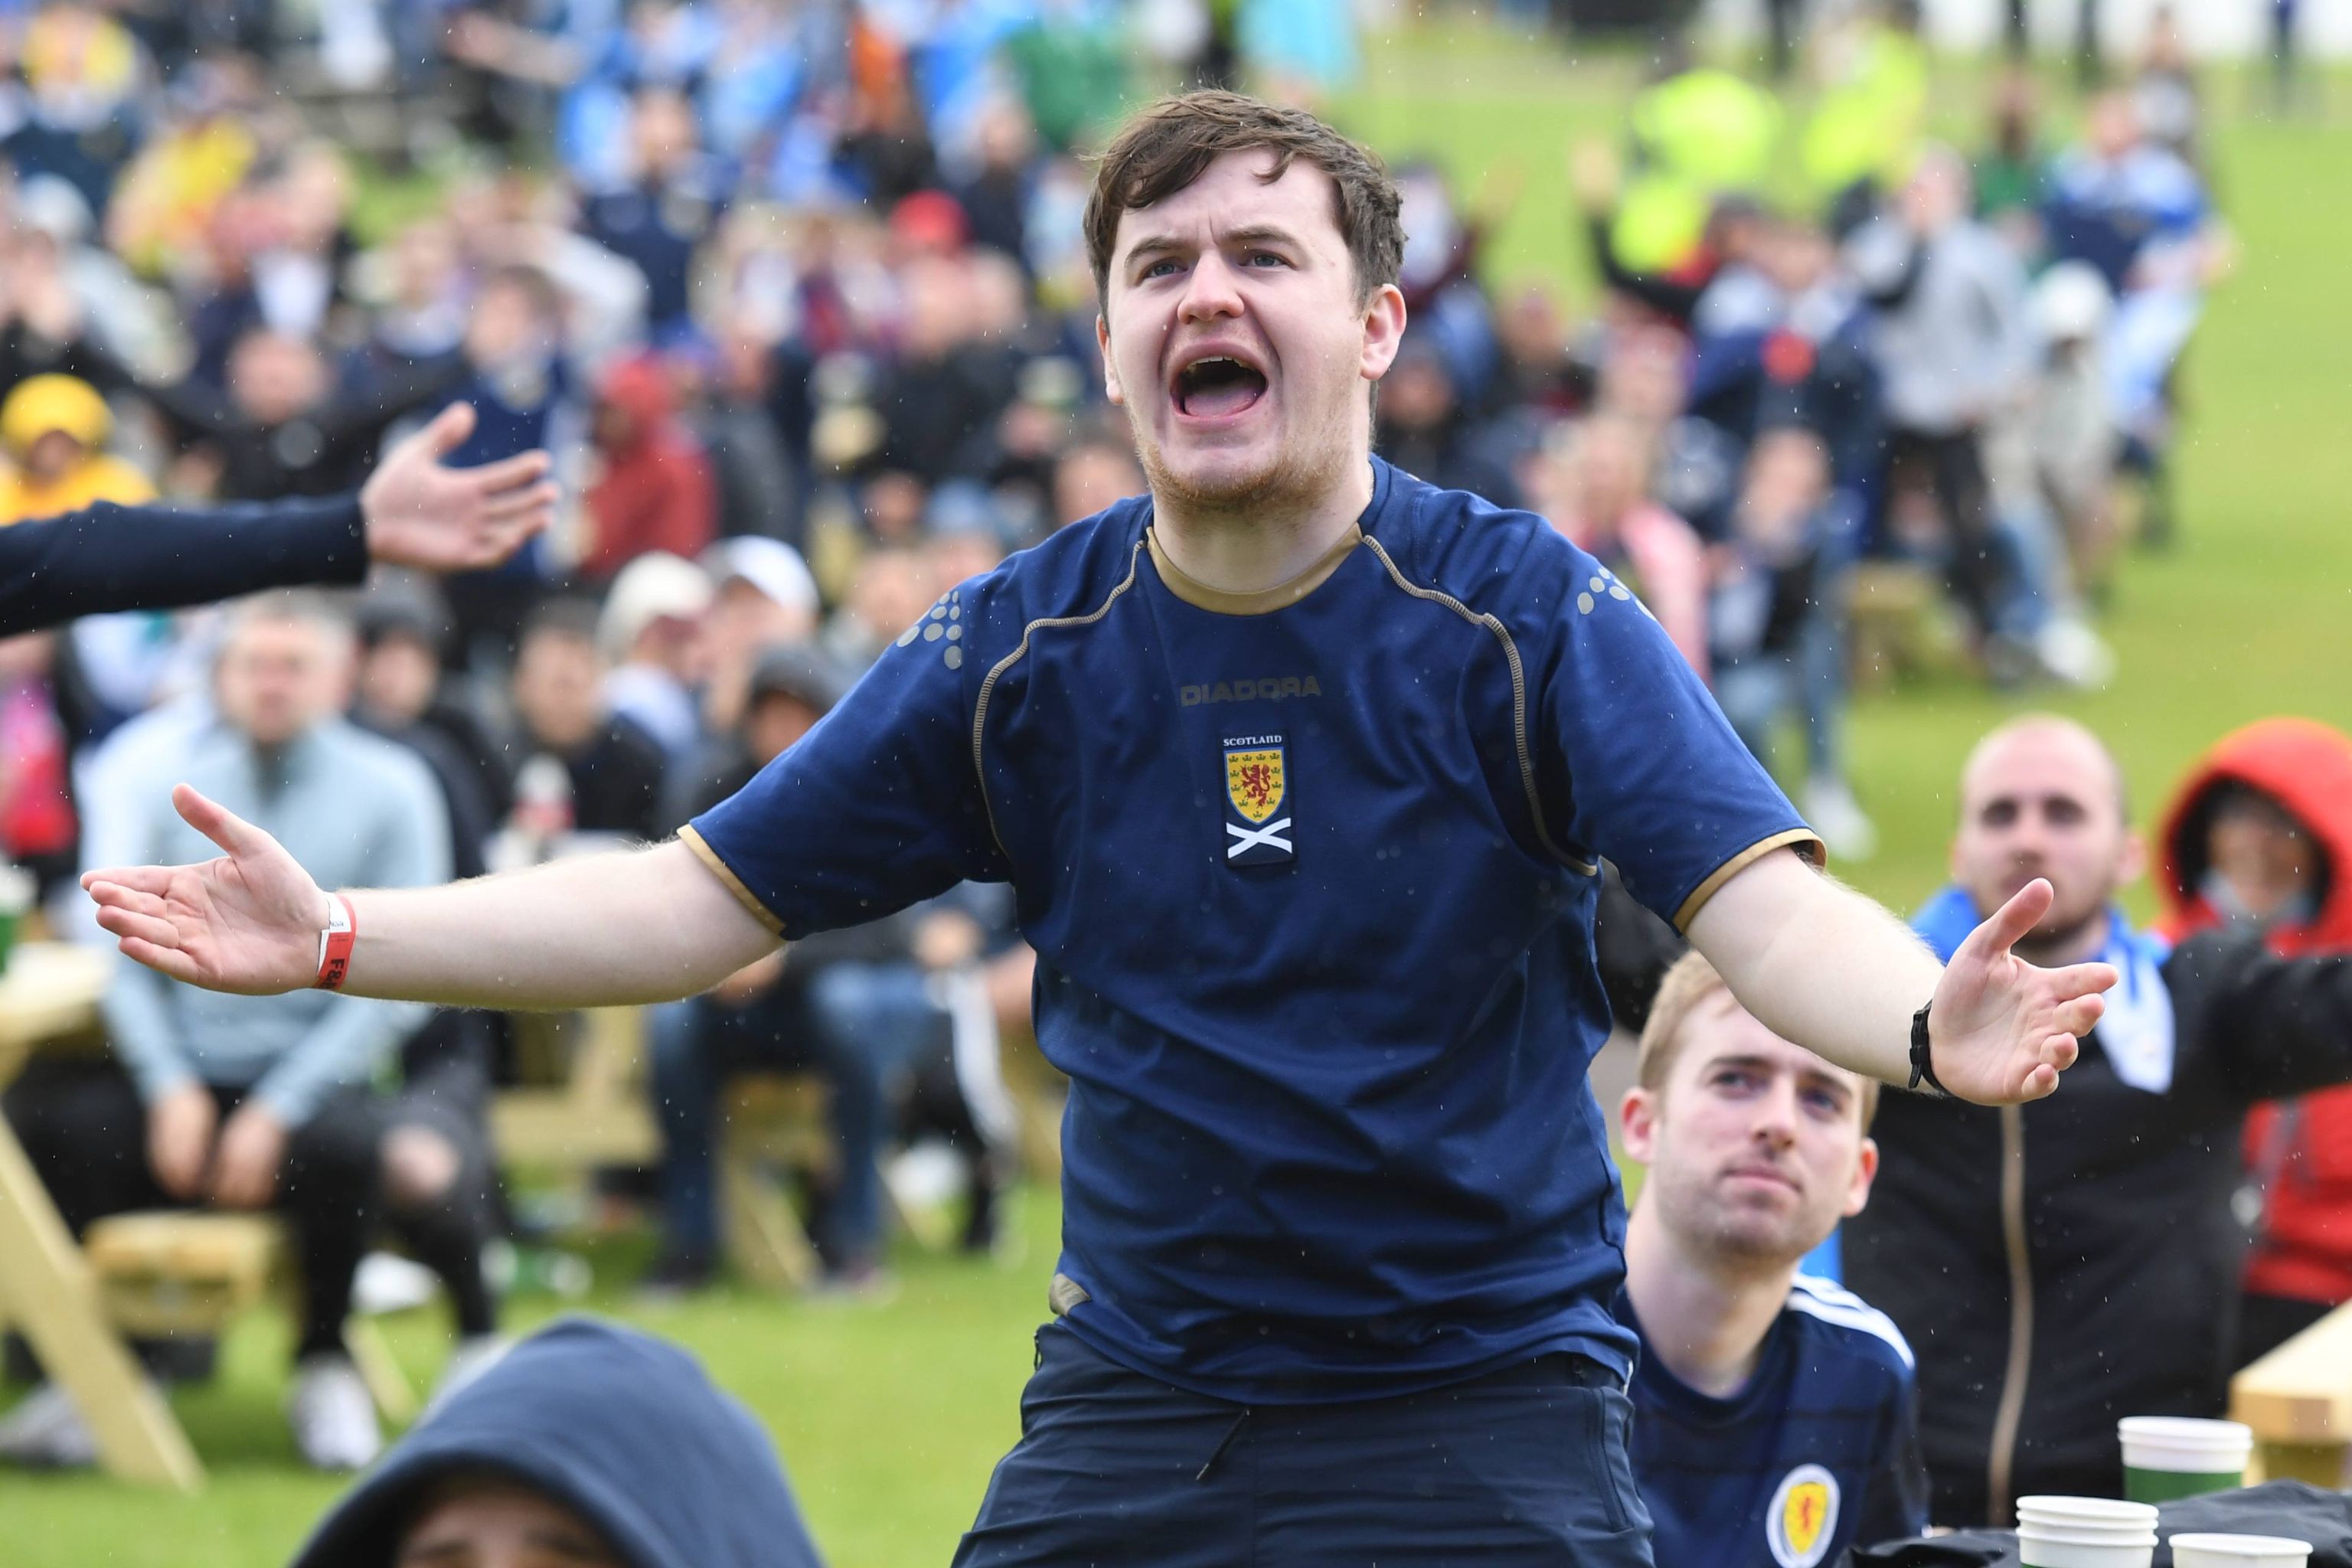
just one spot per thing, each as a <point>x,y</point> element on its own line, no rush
<point>2169,1457</point>
<point>2239,1552</point>
<point>2084,1533</point>
<point>2039,1548</point>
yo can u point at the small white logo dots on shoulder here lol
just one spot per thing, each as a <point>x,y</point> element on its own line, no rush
<point>942,623</point>
<point>1603,585</point>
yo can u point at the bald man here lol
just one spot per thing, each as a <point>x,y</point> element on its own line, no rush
<point>2059,1265</point>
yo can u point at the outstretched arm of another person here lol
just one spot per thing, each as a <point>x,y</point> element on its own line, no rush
<point>600,930</point>
<point>1835,971</point>
<point>414,512</point>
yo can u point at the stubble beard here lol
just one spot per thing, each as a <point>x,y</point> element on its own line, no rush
<point>1298,476</point>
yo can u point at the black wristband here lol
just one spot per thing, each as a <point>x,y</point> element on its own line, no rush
<point>1923,1070</point>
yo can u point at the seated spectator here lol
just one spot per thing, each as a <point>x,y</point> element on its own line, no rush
<point>584,770</point>
<point>651,635</point>
<point>1775,617</point>
<point>588,1444</point>
<point>2126,1175</point>
<point>53,431</point>
<point>1774,1414</point>
<point>1954,346</point>
<point>402,693</point>
<point>765,597</point>
<point>262,1101</point>
<point>670,202</point>
<point>1089,476</point>
<point>851,1004</point>
<point>654,490</point>
<point>888,593</point>
<point>2259,840</point>
<point>1607,510</point>
<point>1424,431</point>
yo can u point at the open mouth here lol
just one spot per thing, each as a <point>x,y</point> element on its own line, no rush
<point>1217,387</point>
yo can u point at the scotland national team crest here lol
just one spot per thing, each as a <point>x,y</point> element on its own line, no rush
<point>1802,1518</point>
<point>1257,787</point>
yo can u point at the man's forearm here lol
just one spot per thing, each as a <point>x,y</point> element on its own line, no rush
<point>600,930</point>
<point>1819,963</point>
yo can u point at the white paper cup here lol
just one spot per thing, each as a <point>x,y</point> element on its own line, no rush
<point>2169,1457</point>
<point>2239,1552</point>
<point>2036,1549</point>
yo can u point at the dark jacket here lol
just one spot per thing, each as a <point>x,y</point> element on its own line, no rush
<point>2079,1252</point>
<point>624,1430</point>
<point>108,557</point>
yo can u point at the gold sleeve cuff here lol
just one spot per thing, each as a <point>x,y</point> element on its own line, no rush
<point>743,895</point>
<point>1804,841</point>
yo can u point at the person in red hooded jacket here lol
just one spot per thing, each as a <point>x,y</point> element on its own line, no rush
<point>655,489</point>
<point>2260,838</point>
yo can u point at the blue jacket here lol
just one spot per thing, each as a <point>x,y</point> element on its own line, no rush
<point>623,1429</point>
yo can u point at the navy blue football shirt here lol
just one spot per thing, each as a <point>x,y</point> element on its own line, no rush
<point>1819,1452</point>
<point>1293,863</point>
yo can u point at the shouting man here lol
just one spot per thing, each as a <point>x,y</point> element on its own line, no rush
<point>1297,767</point>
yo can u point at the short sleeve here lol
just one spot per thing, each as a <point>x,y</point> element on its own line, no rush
<point>1634,762</point>
<point>876,808</point>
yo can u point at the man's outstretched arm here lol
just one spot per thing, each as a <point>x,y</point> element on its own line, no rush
<point>600,930</point>
<point>1833,971</point>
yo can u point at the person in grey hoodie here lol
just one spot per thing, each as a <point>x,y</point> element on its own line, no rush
<point>1954,345</point>
<point>588,1444</point>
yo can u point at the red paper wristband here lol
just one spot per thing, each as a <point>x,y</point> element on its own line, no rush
<point>335,944</point>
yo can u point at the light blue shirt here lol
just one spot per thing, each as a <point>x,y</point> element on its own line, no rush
<point>355,811</point>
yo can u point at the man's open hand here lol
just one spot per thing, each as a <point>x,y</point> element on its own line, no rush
<point>248,922</point>
<point>425,514</point>
<point>2001,1030</point>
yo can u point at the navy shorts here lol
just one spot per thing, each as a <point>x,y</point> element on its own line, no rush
<point>1526,1466</point>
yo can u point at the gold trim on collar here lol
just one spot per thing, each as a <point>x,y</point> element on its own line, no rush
<point>1282,596</point>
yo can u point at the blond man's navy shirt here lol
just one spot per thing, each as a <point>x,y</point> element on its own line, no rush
<point>1310,876</point>
<point>1819,1451</point>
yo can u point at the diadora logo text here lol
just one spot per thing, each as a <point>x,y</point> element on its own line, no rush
<point>1270,688</point>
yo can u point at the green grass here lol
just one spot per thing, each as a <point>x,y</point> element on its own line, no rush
<point>890,1417</point>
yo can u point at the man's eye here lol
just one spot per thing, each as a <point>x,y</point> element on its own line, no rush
<point>1159,269</point>
<point>1731,1078</point>
<point>1823,1103</point>
<point>1266,259</point>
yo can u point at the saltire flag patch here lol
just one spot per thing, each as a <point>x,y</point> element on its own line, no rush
<point>1257,798</point>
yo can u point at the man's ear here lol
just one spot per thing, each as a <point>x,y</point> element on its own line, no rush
<point>1383,332</point>
<point>1110,370</point>
<point>1637,1123</point>
<point>1865,1171</point>
<point>2133,864</point>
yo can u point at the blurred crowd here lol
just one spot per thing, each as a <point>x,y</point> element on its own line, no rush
<point>794,291</point>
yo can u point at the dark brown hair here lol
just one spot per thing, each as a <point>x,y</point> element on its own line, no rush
<point>1170,145</point>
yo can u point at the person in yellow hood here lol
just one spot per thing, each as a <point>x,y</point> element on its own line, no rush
<point>54,430</point>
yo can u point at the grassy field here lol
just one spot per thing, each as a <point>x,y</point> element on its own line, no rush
<point>891,1417</point>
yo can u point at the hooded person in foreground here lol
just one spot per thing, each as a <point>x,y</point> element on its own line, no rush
<point>588,1444</point>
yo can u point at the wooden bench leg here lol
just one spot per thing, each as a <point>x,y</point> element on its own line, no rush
<point>47,1289</point>
<point>370,1352</point>
<point>763,1237</point>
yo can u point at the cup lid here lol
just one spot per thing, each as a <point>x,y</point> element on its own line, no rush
<point>2087,1511</point>
<point>2251,1545</point>
<point>2185,1429</point>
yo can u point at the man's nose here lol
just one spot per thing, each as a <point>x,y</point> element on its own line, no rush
<point>1211,290</point>
<point>1775,1126</point>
